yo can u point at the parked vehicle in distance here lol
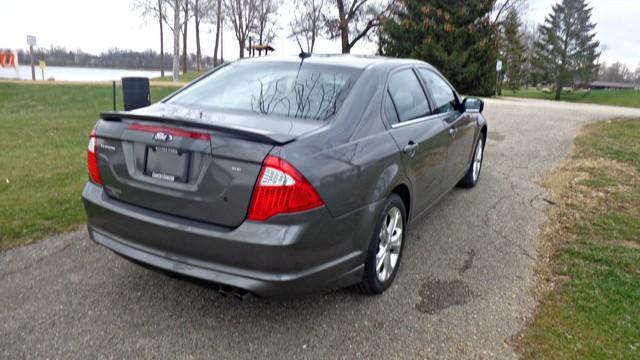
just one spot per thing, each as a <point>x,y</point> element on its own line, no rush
<point>280,176</point>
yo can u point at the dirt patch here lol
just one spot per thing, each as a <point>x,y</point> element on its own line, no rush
<point>438,295</point>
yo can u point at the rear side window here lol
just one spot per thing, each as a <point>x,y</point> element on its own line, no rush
<point>444,97</point>
<point>390,109</point>
<point>293,90</point>
<point>407,96</point>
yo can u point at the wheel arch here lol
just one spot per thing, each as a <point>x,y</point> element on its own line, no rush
<point>402,190</point>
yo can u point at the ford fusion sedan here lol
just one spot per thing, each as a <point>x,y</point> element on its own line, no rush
<point>280,176</point>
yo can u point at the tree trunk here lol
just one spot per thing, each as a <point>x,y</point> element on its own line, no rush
<point>161,39</point>
<point>184,38</point>
<point>222,42</point>
<point>198,53</point>
<point>176,41</point>
<point>558,88</point>
<point>218,26</point>
<point>344,27</point>
<point>241,43</point>
<point>344,35</point>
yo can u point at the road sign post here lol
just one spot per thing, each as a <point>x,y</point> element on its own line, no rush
<point>498,69</point>
<point>31,41</point>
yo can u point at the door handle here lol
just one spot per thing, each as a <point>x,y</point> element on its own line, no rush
<point>453,131</point>
<point>410,149</point>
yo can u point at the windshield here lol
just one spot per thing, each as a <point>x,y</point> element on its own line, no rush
<point>307,91</point>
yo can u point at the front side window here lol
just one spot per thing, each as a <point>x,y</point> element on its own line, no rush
<point>294,90</point>
<point>444,97</point>
<point>407,96</point>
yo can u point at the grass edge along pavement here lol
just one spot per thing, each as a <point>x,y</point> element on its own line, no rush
<point>44,129</point>
<point>626,98</point>
<point>590,268</point>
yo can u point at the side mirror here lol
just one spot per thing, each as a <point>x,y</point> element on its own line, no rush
<point>472,104</point>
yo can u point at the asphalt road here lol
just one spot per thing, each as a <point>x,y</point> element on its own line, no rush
<point>463,291</point>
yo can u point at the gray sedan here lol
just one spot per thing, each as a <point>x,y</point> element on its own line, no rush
<point>280,176</point>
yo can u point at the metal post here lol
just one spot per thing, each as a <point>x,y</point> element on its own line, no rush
<point>114,96</point>
<point>33,70</point>
<point>222,41</point>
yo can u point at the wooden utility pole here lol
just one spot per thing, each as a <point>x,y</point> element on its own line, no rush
<point>222,41</point>
<point>33,69</point>
<point>31,41</point>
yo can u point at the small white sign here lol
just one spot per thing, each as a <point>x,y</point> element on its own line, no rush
<point>31,40</point>
<point>499,65</point>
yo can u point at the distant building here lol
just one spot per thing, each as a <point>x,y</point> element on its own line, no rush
<point>611,85</point>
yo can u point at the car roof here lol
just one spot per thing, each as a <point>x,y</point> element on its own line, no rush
<point>346,60</point>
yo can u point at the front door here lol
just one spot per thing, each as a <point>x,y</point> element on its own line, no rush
<point>460,126</point>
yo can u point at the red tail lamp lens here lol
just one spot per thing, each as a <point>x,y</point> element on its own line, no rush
<point>92,159</point>
<point>281,189</point>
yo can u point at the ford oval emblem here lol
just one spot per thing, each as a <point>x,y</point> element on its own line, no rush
<point>162,136</point>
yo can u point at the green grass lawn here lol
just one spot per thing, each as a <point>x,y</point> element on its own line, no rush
<point>595,314</point>
<point>186,78</point>
<point>628,98</point>
<point>43,136</point>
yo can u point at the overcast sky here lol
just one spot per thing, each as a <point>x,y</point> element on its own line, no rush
<point>97,25</point>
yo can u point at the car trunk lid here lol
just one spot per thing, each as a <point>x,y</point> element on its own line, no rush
<point>188,163</point>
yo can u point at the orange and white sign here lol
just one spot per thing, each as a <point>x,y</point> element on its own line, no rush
<point>8,59</point>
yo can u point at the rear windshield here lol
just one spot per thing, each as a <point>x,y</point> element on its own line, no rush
<point>295,90</point>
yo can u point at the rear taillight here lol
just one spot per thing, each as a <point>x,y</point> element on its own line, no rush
<point>280,188</point>
<point>92,159</point>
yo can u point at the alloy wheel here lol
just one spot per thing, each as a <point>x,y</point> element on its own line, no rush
<point>477,161</point>
<point>390,244</point>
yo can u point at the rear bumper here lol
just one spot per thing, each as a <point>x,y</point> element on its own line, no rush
<point>284,257</point>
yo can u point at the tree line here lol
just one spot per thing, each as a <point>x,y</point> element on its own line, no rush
<point>462,38</point>
<point>348,21</point>
<point>113,58</point>
<point>619,72</point>
<point>465,38</point>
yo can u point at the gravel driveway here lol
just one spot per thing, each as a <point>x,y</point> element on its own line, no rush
<point>464,288</point>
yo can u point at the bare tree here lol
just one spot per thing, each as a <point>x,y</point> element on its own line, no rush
<point>201,10</point>
<point>501,9</point>
<point>266,20</point>
<point>355,20</point>
<point>307,23</point>
<point>155,9</point>
<point>242,14</point>
<point>186,6</point>
<point>218,15</point>
<point>171,17</point>
<point>616,72</point>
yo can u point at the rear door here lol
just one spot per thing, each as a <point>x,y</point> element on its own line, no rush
<point>421,136</point>
<point>460,126</point>
<point>188,172</point>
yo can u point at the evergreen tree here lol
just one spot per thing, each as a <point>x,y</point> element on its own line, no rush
<point>456,36</point>
<point>513,51</point>
<point>567,51</point>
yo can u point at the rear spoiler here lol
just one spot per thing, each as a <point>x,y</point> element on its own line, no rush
<point>246,133</point>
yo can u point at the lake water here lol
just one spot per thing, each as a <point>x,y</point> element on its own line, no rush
<point>74,73</point>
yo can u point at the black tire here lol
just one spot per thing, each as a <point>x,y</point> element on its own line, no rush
<point>470,179</point>
<point>371,283</point>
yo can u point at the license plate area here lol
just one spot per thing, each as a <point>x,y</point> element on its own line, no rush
<point>167,164</point>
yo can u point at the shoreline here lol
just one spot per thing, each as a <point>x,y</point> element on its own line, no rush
<point>152,82</point>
